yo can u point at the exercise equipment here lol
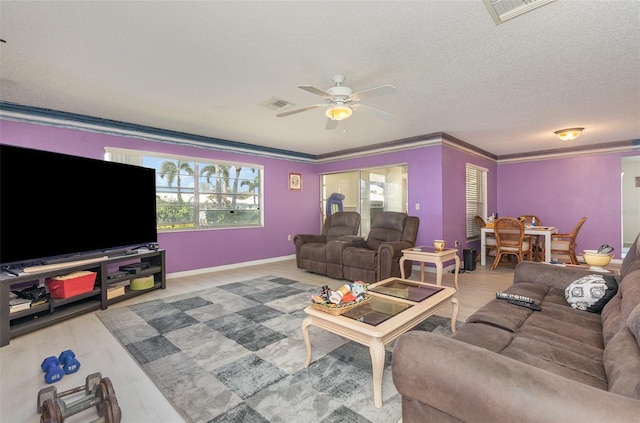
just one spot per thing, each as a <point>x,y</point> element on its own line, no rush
<point>51,368</point>
<point>50,392</point>
<point>103,398</point>
<point>334,203</point>
<point>68,361</point>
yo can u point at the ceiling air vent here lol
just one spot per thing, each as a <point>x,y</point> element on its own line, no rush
<point>276,104</point>
<point>503,10</point>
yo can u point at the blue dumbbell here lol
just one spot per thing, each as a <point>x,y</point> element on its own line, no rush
<point>68,361</point>
<point>51,368</point>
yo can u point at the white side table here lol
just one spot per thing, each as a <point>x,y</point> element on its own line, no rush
<point>429,255</point>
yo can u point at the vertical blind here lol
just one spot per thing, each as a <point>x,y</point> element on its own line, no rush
<point>476,192</point>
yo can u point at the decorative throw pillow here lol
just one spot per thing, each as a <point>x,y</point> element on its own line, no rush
<point>591,292</point>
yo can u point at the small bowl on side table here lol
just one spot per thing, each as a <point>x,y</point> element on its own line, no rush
<point>596,260</point>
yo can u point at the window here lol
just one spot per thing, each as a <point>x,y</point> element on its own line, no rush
<point>476,183</point>
<point>192,193</point>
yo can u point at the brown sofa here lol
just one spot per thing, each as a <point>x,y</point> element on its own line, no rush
<point>322,253</point>
<point>509,363</point>
<point>353,258</point>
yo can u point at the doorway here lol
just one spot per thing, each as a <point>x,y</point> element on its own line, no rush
<point>367,191</point>
<point>630,207</point>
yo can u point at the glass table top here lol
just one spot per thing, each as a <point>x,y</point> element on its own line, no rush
<point>377,310</point>
<point>406,289</point>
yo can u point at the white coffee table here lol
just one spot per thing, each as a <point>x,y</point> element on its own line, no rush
<point>430,255</point>
<point>397,308</point>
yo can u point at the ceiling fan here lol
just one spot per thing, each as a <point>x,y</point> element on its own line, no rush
<point>340,101</point>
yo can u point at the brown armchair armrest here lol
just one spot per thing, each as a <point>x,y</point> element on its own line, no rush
<point>394,247</point>
<point>300,239</point>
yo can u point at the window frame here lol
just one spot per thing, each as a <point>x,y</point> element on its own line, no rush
<point>476,187</point>
<point>201,196</point>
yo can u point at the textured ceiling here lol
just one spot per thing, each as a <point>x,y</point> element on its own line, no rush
<point>206,67</point>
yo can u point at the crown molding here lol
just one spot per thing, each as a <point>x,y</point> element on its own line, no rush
<point>47,117</point>
<point>40,116</point>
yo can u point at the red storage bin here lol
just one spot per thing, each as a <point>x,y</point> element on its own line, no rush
<point>71,285</point>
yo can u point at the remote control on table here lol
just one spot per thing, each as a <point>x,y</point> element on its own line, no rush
<point>505,296</point>
<point>532,306</point>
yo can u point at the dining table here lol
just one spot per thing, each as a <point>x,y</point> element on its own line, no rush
<point>545,231</point>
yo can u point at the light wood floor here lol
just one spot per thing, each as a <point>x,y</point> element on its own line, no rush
<point>140,401</point>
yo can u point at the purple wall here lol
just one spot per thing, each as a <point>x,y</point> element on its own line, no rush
<point>561,191</point>
<point>454,195</point>
<point>285,212</point>
<point>437,182</point>
<point>424,181</point>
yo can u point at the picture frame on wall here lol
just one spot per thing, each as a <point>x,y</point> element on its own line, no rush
<point>295,181</point>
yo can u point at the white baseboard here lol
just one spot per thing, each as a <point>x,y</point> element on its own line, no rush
<point>228,266</point>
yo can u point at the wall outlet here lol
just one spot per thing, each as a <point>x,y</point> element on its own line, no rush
<point>288,237</point>
<point>417,206</point>
<point>457,244</point>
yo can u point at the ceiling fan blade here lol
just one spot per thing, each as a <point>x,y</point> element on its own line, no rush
<point>331,124</point>
<point>316,91</point>
<point>373,92</point>
<point>377,112</point>
<point>304,109</point>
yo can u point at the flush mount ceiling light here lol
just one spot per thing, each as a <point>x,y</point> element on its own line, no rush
<point>569,134</point>
<point>338,112</point>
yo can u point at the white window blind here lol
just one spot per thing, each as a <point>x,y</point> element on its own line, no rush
<point>476,189</point>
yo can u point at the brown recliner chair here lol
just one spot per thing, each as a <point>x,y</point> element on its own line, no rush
<point>323,253</point>
<point>378,257</point>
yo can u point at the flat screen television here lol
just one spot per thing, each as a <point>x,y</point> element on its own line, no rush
<point>55,207</point>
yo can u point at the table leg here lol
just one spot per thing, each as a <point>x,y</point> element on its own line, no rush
<point>438,264</point>
<point>376,349</point>
<point>421,271</point>
<point>547,247</point>
<point>457,270</point>
<point>454,314</point>
<point>402,259</point>
<point>307,342</point>
<point>483,248</point>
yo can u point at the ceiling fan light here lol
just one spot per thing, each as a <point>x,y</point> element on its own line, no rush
<point>338,112</point>
<point>569,134</point>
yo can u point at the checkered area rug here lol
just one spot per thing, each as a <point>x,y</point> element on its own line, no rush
<point>235,353</point>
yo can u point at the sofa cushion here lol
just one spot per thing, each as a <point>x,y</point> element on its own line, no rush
<point>612,321</point>
<point>385,227</point>
<point>501,314</point>
<point>484,335</point>
<point>557,360</point>
<point>631,261</point>
<point>622,358</point>
<point>591,292</point>
<point>343,224</point>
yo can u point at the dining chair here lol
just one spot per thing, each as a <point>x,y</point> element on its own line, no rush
<point>563,246</point>
<point>536,249</point>
<point>490,239</point>
<point>511,241</point>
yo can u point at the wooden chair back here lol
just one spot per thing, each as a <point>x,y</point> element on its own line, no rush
<point>510,239</point>
<point>509,233</point>
<point>571,239</point>
<point>480,223</point>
